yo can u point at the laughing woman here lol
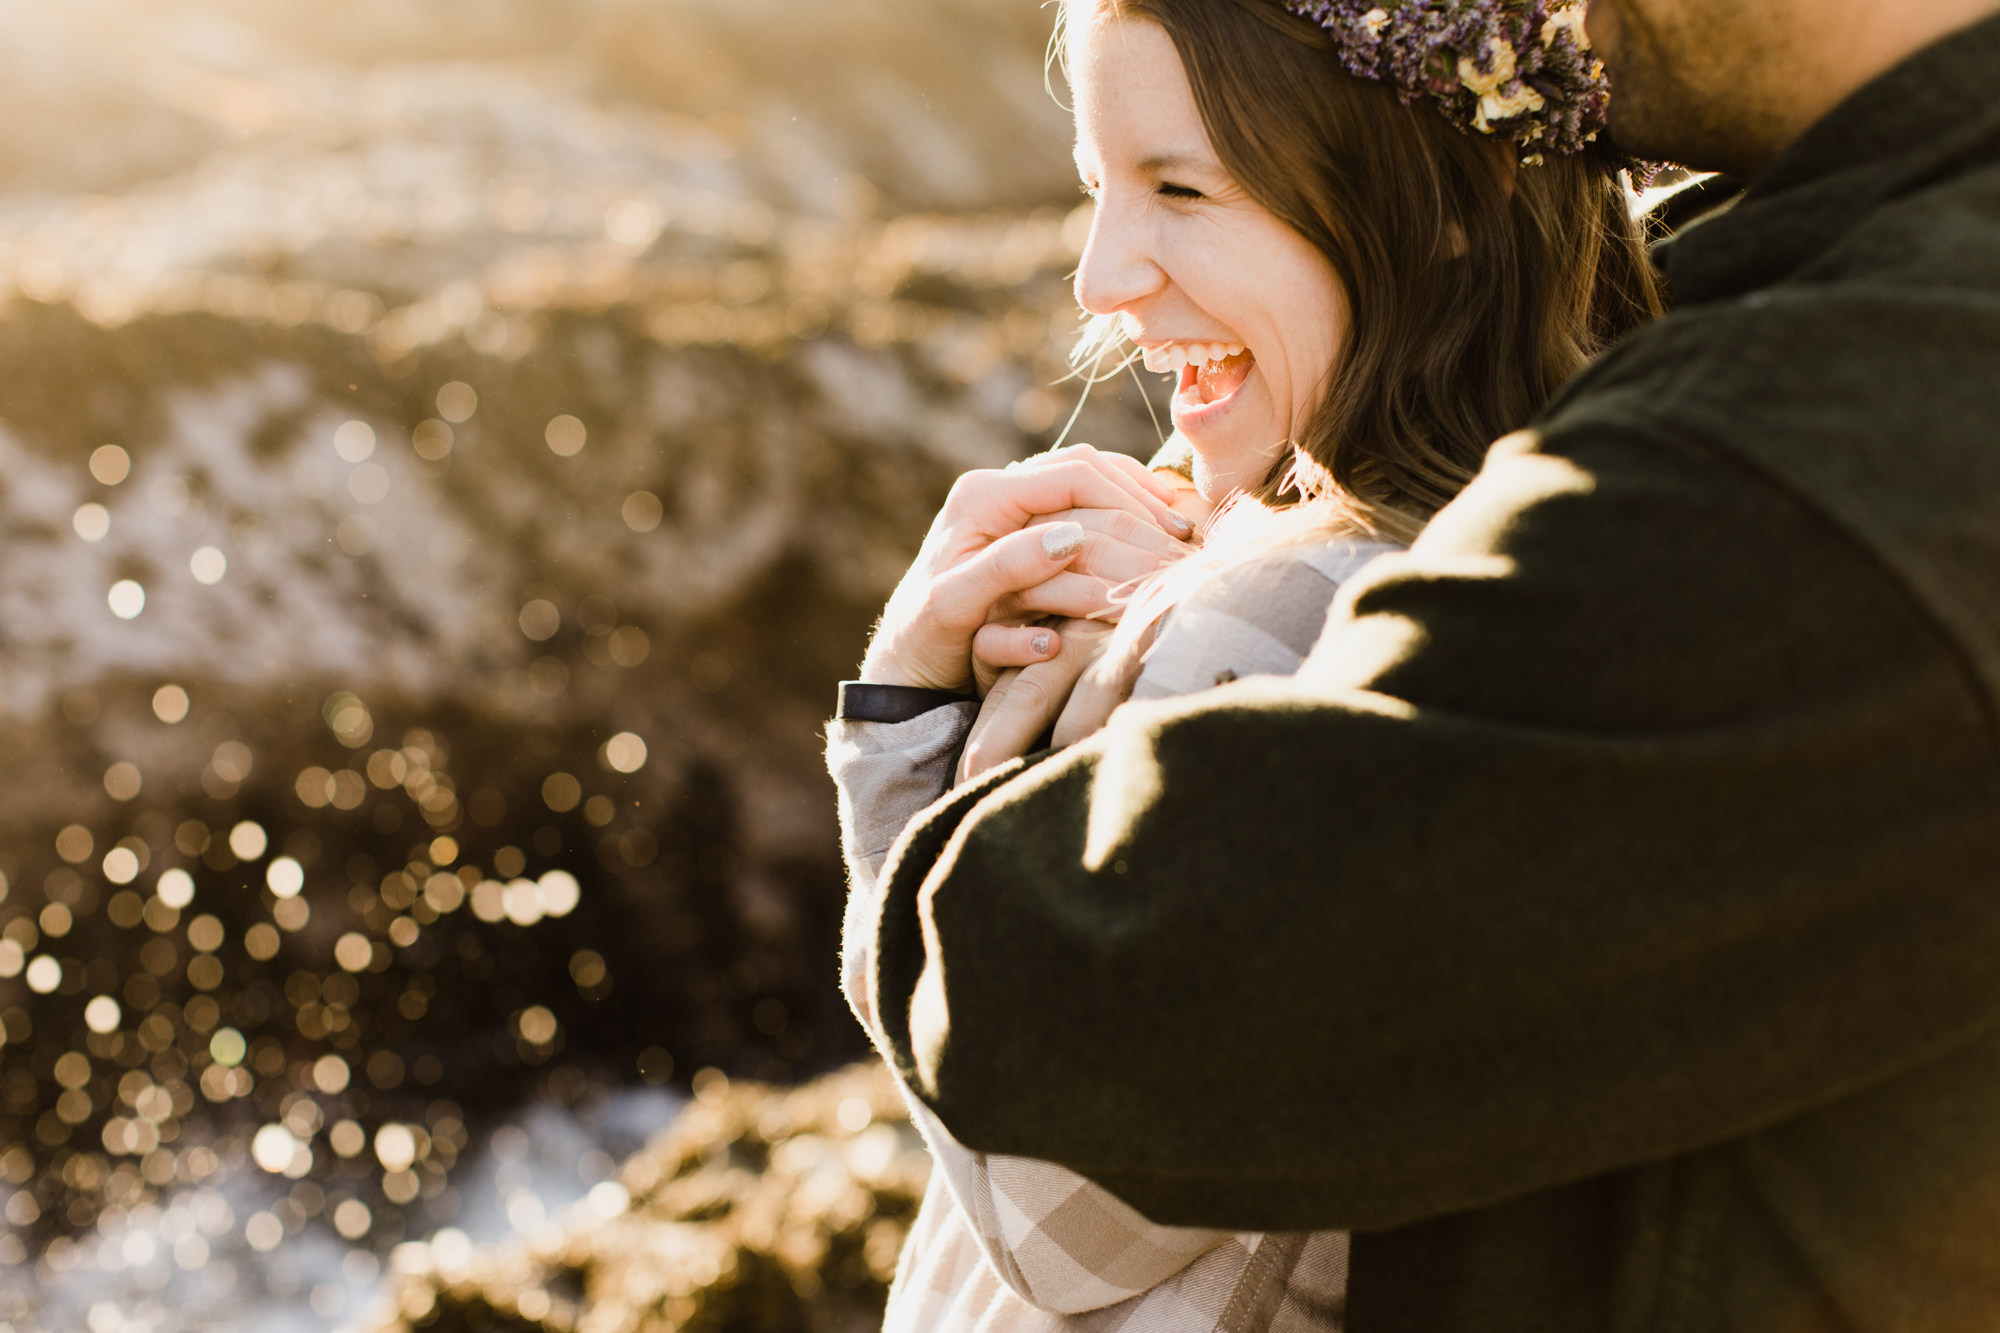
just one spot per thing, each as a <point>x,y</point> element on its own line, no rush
<point>1366,241</point>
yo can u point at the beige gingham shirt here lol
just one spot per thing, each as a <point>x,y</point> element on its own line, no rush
<point>1013,1245</point>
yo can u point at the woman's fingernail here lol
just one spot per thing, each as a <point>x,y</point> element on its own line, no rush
<point>1179,526</point>
<point>1060,541</point>
<point>1039,645</point>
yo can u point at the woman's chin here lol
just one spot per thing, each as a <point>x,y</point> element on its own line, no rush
<point>1233,444</point>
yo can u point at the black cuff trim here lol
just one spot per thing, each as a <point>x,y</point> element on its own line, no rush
<point>863,701</point>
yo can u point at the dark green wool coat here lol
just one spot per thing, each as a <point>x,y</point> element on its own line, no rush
<point>1605,923</point>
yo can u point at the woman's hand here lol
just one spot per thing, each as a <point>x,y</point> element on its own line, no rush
<point>1107,682</point>
<point>1072,692</point>
<point>1052,536</point>
<point>1024,700</point>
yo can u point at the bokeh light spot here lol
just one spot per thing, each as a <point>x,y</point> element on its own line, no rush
<point>102,1015</point>
<point>74,844</point>
<point>285,877</point>
<point>489,901</point>
<point>349,789</point>
<point>109,464</point>
<point>205,933</point>
<point>248,840</point>
<point>354,441</point>
<point>559,892</point>
<point>208,565</point>
<point>92,522</point>
<point>565,436</point>
<point>272,1149</point>
<point>520,902</point>
<point>540,619</point>
<point>369,483</point>
<point>126,599</point>
<point>608,1199</point>
<point>347,1138</point>
<point>232,762</point>
<point>625,753</point>
<point>330,1074</point>
<point>587,969</point>
<point>355,535</point>
<point>352,1218</point>
<point>44,974</point>
<point>261,941</point>
<point>176,889</point>
<point>227,1047</point>
<point>264,1232</point>
<point>629,645</point>
<point>642,511</point>
<point>349,720</point>
<point>633,222</point>
<point>456,402</point>
<point>395,1147</point>
<point>560,792</point>
<point>314,788</point>
<point>170,704</point>
<point>444,893</point>
<point>536,1025</point>
<point>122,782</point>
<point>353,951</point>
<point>431,440</point>
<point>121,865</point>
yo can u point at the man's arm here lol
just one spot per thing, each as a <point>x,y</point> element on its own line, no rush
<point>1634,809</point>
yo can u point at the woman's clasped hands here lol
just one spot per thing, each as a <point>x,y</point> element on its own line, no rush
<point>1024,568</point>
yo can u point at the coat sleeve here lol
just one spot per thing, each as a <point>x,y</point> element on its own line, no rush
<point>1635,808</point>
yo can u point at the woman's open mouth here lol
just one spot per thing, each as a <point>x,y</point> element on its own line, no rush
<point>1212,381</point>
<point>1207,373</point>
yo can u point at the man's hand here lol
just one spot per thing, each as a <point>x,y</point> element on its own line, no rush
<point>1055,535</point>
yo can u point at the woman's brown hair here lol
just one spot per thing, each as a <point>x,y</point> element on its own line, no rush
<point>1474,290</point>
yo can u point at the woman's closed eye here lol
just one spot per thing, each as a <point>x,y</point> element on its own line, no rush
<point>1172,191</point>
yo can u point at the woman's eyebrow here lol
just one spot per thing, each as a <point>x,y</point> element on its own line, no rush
<point>1165,162</point>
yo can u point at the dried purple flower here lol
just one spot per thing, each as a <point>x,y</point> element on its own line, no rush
<point>1520,70</point>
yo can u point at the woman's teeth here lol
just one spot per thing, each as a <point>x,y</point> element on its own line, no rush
<point>1173,357</point>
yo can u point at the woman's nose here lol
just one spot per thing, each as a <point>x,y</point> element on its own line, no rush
<point>1118,268</point>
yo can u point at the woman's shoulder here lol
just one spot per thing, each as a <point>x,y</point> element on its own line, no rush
<point>1299,575</point>
<point>1254,617</point>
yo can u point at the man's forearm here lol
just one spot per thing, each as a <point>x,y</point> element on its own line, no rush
<point>1314,955</point>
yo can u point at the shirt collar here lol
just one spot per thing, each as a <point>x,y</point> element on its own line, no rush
<point>1936,113</point>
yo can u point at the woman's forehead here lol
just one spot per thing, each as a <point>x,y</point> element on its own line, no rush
<point>1132,96</point>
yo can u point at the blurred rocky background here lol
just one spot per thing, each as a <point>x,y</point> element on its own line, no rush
<point>448,450</point>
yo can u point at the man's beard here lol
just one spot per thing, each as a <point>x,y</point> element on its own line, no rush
<point>1685,82</point>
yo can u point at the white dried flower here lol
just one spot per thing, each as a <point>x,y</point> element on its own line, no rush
<point>1566,18</point>
<point>1500,54</point>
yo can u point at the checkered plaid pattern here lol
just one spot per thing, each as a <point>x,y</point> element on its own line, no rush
<point>1059,1242</point>
<point>1013,1245</point>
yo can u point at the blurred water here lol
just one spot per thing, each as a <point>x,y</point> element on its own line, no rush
<point>184,1262</point>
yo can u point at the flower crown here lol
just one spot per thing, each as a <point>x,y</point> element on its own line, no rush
<point>1520,70</point>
